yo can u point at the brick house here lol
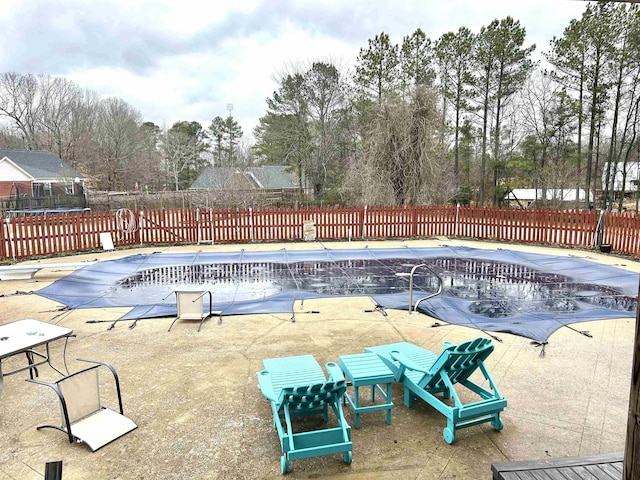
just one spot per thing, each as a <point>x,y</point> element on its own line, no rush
<point>33,179</point>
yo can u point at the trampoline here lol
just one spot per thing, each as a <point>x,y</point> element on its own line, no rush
<point>526,294</point>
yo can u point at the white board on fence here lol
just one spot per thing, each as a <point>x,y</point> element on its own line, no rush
<point>106,241</point>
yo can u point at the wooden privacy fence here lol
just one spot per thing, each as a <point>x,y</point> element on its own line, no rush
<point>43,235</point>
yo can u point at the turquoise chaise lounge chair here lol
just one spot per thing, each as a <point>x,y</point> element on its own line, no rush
<point>425,374</point>
<point>296,387</point>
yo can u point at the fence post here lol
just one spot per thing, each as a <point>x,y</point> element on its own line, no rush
<point>198,235</point>
<point>251,235</point>
<point>213,231</point>
<point>140,225</point>
<point>414,221</point>
<point>363,223</point>
<point>3,247</point>
<point>77,226</point>
<point>13,237</point>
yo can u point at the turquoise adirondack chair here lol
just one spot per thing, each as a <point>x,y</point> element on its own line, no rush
<point>295,387</point>
<point>425,374</point>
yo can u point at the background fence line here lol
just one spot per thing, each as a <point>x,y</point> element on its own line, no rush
<point>55,234</point>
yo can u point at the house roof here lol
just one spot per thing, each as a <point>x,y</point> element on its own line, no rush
<point>272,176</point>
<point>40,165</point>
<point>264,177</point>
<point>213,178</point>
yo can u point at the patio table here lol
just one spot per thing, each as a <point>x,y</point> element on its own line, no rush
<point>23,336</point>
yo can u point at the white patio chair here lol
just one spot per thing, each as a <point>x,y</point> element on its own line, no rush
<point>84,418</point>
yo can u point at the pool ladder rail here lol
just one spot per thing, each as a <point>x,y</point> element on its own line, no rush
<point>413,308</point>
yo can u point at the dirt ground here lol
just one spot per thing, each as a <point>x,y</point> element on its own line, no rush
<point>200,414</point>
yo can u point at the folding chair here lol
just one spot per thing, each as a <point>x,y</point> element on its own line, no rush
<point>191,307</point>
<point>84,419</point>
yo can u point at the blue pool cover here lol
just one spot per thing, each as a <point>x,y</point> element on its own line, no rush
<point>525,294</point>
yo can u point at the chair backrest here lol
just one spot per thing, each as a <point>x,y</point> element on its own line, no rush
<point>81,393</point>
<point>310,397</point>
<point>459,361</point>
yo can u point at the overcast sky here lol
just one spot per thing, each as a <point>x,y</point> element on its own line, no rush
<point>188,60</point>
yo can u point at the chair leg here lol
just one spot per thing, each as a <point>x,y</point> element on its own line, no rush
<point>201,322</point>
<point>497,422</point>
<point>408,397</point>
<point>449,433</point>
<point>356,406</point>
<point>53,470</point>
<point>171,326</point>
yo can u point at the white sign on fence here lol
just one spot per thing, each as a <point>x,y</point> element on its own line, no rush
<point>106,241</point>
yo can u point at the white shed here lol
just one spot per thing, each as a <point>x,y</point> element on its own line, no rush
<point>529,196</point>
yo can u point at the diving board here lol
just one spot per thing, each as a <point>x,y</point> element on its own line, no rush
<point>25,272</point>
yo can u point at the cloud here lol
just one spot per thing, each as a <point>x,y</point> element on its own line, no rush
<point>187,60</point>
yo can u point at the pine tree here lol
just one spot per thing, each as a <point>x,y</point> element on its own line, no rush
<point>502,66</point>
<point>377,69</point>
<point>416,61</point>
<point>454,52</point>
<point>216,133</point>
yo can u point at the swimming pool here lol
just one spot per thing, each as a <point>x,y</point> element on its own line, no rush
<point>500,290</point>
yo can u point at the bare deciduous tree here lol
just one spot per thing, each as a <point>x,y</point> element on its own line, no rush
<point>116,142</point>
<point>21,102</point>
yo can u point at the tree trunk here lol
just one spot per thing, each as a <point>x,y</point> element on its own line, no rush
<point>593,122</point>
<point>456,149</point>
<point>496,146</point>
<point>485,118</point>
<point>580,115</point>
<point>614,131</point>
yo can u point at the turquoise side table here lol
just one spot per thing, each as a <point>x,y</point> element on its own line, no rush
<point>363,370</point>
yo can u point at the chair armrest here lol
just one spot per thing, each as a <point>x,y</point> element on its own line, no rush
<point>266,386</point>
<point>335,372</point>
<point>447,344</point>
<point>407,362</point>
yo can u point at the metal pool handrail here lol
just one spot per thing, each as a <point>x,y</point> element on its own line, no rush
<point>431,295</point>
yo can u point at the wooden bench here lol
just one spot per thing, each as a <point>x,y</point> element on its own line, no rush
<point>607,466</point>
<point>25,272</point>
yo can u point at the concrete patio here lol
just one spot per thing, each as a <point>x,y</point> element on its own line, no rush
<point>201,415</point>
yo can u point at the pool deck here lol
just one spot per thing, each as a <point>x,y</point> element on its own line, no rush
<point>200,414</point>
